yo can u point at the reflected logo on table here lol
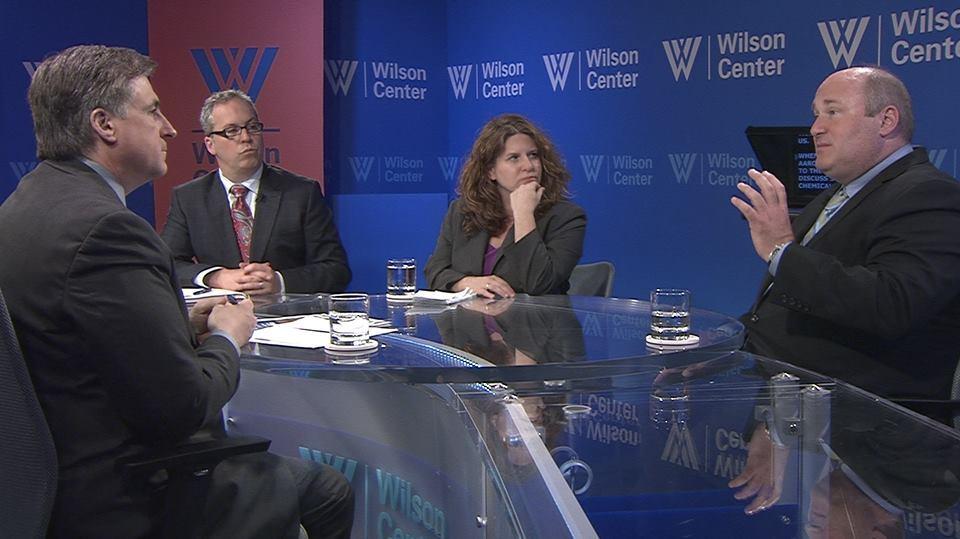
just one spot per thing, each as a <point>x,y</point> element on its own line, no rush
<point>558,68</point>
<point>235,68</point>
<point>682,53</point>
<point>842,38</point>
<point>591,325</point>
<point>340,74</point>
<point>680,449</point>
<point>348,467</point>
<point>31,67</point>
<point>459,79</point>
<point>21,168</point>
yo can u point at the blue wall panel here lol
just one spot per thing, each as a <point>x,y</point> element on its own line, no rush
<point>31,32</point>
<point>376,227</point>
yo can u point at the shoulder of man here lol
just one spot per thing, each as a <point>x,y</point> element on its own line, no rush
<point>271,172</point>
<point>200,183</point>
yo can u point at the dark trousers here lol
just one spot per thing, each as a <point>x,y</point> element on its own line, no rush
<point>269,496</point>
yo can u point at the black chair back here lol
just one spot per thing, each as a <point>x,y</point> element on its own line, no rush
<point>28,467</point>
<point>594,279</point>
<point>955,397</point>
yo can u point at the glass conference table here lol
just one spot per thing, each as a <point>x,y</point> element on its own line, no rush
<point>551,417</point>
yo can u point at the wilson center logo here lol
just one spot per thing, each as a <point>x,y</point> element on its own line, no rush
<point>21,168</point>
<point>558,68</point>
<point>449,166</point>
<point>235,68</point>
<point>460,79</point>
<point>31,67</point>
<point>842,38</point>
<point>592,165</point>
<point>361,166</point>
<point>682,164</point>
<point>340,74</point>
<point>682,53</point>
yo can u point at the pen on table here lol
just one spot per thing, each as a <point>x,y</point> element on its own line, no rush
<point>201,291</point>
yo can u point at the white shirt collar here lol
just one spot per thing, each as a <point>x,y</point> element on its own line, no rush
<point>252,183</point>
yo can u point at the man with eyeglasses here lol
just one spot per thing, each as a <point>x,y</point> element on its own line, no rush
<point>250,226</point>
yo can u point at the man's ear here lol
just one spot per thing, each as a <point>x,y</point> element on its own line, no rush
<point>208,142</point>
<point>889,120</point>
<point>103,124</point>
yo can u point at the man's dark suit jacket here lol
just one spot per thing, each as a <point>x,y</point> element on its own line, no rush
<point>99,315</point>
<point>874,297</point>
<point>293,230</point>
<point>540,263</point>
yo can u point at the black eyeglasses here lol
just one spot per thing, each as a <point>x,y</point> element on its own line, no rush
<point>233,131</point>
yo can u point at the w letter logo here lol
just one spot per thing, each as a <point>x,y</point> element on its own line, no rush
<point>558,67</point>
<point>234,68</point>
<point>21,168</point>
<point>459,79</point>
<point>31,67</point>
<point>449,165</point>
<point>682,53</point>
<point>937,157</point>
<point>591,166</point>
<point>340,74</point>
<point>361,166</point>
<point>682,164</point>
<point>842,38</point>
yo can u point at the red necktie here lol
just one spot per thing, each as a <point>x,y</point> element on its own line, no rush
<point>242,220</point>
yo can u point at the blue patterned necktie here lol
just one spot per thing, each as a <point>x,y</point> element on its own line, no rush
<point>834,204</point>
<point>242,220</point>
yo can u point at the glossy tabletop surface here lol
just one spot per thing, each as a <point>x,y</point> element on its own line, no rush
<point>698,442</point>
<point>508,339</point>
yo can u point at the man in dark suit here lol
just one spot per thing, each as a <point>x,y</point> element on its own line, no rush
<point>97,308</point>
<point>250,226</point>
<point>865,284</point>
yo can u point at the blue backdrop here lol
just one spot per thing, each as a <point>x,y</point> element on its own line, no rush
<point>32,31</point>
<point>648,103</point>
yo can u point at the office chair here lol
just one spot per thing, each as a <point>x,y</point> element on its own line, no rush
<point>955,397</point>
<point>29,464</point>
<point>594,279</point>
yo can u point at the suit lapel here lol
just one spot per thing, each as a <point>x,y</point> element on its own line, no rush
<point>222,237</point>
<point>895,169</point>
<point>507,240</point>
<point>268,204</point>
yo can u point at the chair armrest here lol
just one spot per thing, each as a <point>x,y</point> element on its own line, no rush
<point>193,456</point>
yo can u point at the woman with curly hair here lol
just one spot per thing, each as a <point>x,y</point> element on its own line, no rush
<point>513,229</point>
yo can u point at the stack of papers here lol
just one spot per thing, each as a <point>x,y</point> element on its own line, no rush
<point>442,298</point>
<point>311,331</point>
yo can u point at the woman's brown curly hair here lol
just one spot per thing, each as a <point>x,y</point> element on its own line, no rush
<point>480,199</point>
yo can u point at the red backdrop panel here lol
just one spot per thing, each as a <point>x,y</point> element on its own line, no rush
<point>273,50</point>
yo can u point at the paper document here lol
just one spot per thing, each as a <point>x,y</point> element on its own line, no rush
<point>312,331</point>
<point>194,294</point>
<point>445,298</point>
<point>284,335</point>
